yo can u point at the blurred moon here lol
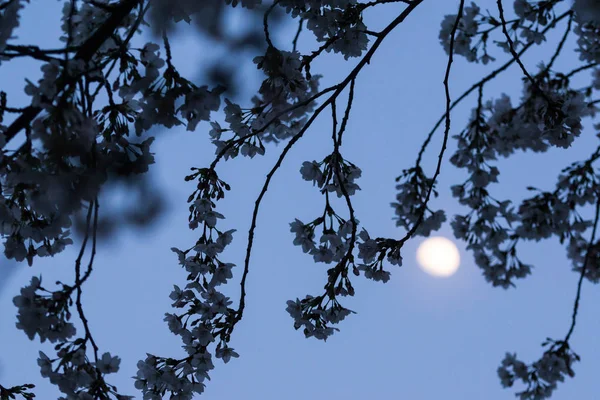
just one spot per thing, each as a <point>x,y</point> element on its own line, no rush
<point>438,256</point>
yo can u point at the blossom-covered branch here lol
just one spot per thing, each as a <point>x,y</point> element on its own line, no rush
<point>88,125</point>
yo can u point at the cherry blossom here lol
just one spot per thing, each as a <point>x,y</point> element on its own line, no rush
<point>90,117</point>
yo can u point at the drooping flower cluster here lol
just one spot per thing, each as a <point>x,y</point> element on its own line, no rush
<point>542,376</point>
<point>206,315</point>
<point>410,206</point>
<point>544,119</point>
<point>48,316</point>
<point>323,175</point>
<point>317,314</point>
<point>76,376</point>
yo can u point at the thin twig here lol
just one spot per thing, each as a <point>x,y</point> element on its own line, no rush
<point>347,112</point>
<point>447,128</point>
<point>511,45</point>
<point>582,68</point>
<point>583,270</point>
<point>266,23</point>
<point>257,203</point>
<point>78,280</point>
<point>295,41</point>
<point>511,48</point>
<point>560,45</point>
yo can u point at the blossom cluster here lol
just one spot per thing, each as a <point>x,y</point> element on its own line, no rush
<point>532,17</point>
<point>316,315</point>
<point>337,23</point>
<point>48,316</point>
<point>542,376</point>
<point>544,119</point>
<point>324,176</point>
<point>78,377</point>
<point>9,21</point>
<point>207,316</point>
<point>410,206</point>
<point>587,11</point>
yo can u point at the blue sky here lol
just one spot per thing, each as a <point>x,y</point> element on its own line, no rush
<point>417,336</point>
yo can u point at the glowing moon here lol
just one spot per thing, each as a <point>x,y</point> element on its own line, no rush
<point>438,256</point>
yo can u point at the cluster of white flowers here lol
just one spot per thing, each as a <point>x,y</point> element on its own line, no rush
<point>467,29</point>
<point>48,317</point>
<point>577,250</point>
<point>532,17</point>
<point>323,174</point>
<point>410,207</point>
<point>587,11</point>
<point>551,118</point>
<point>333,244</point>
<point>69,155</point>
<point>373,252</point>
<point>542,376</point>
<point>486,236</point>
<point>337,23</point>
<point>77,377</point>
<point>38,202</point>
<point>208,316</point>
<point>166,11</point>
<point>9,21</point>
<point>588,41</point>
<point>79,23</point>
<point>550,115</point>
<point>279,108</point>
<point>313,316</point>
<point>316,314</point>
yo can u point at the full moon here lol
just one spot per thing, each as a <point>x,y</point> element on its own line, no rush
<point>438,256</point>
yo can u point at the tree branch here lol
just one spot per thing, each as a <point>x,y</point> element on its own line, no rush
<point>339,88</point>
<point>483,81</point>
<point>583,270</point>
<point>85,54</point>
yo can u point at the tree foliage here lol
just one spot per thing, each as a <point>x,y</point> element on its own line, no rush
<point>88,125</point>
